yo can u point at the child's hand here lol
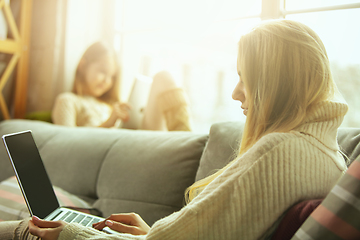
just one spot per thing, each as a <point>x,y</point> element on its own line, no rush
<point>121,111</point>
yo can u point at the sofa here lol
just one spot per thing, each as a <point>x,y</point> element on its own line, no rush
<point>118,170</point>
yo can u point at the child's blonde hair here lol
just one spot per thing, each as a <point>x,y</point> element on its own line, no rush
<point>92,54</point>
<point>286,72</point>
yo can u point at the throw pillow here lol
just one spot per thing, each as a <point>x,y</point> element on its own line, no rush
<point>293,219</point>
<point>13,206</point>
<point>337,217</point>
<point>221,148</point>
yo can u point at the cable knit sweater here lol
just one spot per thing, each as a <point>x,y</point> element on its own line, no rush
<point>248,198</point>
<point>74,110</point>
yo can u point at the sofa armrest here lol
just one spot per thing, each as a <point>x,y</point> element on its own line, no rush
<point>349,142</point>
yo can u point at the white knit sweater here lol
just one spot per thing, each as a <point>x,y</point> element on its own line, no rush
<point>74,110</point>
<point>248,198</point>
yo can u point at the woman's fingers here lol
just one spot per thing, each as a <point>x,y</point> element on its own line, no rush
<point>126,218</point>
<point>45,224</point>
<point>96,224</point>
<point>99,225</point>
<point>126,223</point>
<point>46,230</point>
<point>124,228</point>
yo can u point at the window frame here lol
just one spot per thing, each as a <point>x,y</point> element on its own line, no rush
<point>270,9</point>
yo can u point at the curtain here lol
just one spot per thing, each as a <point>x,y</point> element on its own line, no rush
<point>61,31</point>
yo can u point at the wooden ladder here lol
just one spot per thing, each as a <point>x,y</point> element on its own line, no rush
<point>19,48</point>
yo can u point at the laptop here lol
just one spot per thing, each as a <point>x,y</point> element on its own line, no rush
<point>35,184</point>
<point>138,99</point>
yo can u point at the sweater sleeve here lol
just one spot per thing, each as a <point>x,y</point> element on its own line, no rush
<point>77,231</point>
<point>248,198</point>
<point>64,110</point>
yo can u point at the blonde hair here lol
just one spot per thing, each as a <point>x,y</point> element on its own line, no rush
<point>286,72</point>
<point>93,54</point>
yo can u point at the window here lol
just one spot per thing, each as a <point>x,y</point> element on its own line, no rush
<point>343,51</point>
<point>196,40</point>
<point>335,22</point>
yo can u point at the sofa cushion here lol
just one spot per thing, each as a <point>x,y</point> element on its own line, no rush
<point>337,217</point>
<point>13,206</point>
<point>221,148</point>
<point>147,172</point>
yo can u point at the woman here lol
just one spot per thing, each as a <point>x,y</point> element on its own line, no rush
<point>94,100</point>
<point>288,152</point>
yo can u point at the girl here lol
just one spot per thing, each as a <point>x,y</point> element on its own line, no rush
<point>94,100</point>
<point>288,151</point>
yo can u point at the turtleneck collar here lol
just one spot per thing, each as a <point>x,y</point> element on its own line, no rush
<point>323,122</point>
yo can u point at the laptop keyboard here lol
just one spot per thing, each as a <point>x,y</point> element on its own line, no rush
<point>82,219</point>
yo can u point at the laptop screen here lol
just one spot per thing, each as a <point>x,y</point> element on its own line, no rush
<point>32,177</point>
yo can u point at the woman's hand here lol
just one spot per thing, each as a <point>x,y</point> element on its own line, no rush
<point>124,223</point>
<point>46,230</point>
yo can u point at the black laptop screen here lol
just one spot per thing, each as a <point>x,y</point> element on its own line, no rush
<point>31,173</point>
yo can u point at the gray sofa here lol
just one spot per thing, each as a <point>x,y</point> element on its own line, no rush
<point>118,170</point>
